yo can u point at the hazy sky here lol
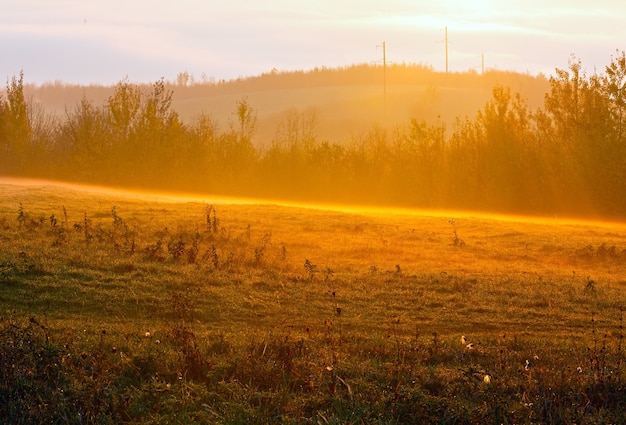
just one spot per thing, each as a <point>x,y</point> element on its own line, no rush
<point>102,41</point>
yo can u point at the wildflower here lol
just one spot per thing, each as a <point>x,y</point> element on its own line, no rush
<point>487,379</point>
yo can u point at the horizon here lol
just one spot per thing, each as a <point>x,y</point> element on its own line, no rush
<point>96,44</point>
<point>193,81</point>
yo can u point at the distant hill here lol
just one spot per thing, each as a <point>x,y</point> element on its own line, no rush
<point>346,102</point>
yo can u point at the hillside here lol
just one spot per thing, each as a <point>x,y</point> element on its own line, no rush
<point>499,142</point>
<point>347,102</point>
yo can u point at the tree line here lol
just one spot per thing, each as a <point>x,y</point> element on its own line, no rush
<point>567,157</point>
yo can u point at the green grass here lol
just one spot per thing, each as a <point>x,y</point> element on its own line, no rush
<point>135,309</point>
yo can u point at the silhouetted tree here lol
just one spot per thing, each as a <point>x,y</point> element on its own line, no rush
<point>505,125</point>
<point>579,115</point>
<point>614,85</point>
<point>15,127</point>
<point>84,142</point>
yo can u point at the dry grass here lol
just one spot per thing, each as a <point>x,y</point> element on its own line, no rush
<point>304,314</point>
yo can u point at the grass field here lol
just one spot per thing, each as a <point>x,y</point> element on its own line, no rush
<point>139,308</point>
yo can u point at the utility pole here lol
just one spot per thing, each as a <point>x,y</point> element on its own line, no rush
<point>446,49</point>
<point>445,41</point>
<point>384,79</point>
<point>482,69</point>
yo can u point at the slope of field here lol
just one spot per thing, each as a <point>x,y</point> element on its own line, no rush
<point>351,242</point>
<point>159,307</point>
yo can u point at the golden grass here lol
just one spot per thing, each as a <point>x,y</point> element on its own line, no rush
<point>346,305</point>
<point>503,276</point>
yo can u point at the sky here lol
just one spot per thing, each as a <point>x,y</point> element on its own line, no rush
<point>105,41</point>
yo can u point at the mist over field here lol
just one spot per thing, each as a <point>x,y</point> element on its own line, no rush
<point>126,307</point>
<point>366,244</point>
<point>402,135</point>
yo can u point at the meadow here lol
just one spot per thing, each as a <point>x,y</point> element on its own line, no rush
<point>119,307</point>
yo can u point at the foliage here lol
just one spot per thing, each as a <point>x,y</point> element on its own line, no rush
<point>565,158</point>
<point>15,127</point>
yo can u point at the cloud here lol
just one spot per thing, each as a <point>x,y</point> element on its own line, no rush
<point>239,37</point>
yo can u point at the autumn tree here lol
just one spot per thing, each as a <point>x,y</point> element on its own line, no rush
<point>296,129</point>
<point>244,124</point>
<point>466,179</point>
<point>144,132</point>
<point>579,121</point>
<point>505,126</point>
<point>15,127</point>
<point>84,142</point>
<point>614,83</point>
<point>123,108</point>
<point>4,140</point>
<point>157,137</point>
<point>417,161</point>
<point>614,86</point>
<point>238,155</point>
<point>202,150</point>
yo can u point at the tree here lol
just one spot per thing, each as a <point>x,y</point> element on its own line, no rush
<point>145,133</point>
<point>506,132</point>
<point>246,121</point>
<point>465,166</point>
<point>614,84</point>
<point>159,135</point>
<point>4,140</point>
<point>123,108</point>
<point>83,134</point>
<point>237,153</point>
<point>297,129</point>
<point>579,114</point>
<point>202,151</point>
<point>183,79</point>
<point>15,127</point>
<point>417,161</point>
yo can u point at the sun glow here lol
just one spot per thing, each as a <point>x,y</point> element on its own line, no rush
<point>182,197</point>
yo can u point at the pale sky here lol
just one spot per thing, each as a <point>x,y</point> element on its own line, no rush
<point>104,41</point>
